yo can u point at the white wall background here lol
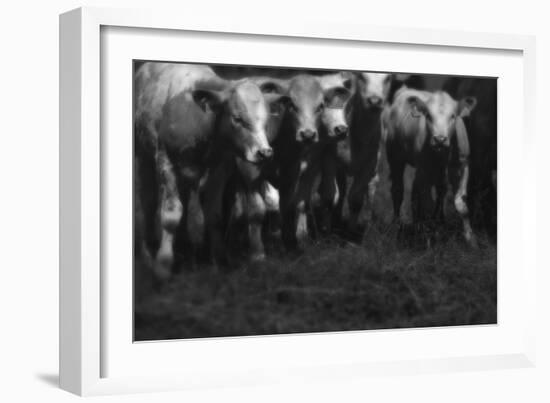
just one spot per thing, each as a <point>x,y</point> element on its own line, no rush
<point>29,199</point>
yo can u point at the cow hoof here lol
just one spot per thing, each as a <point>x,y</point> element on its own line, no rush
<point>301,232</point>
<point>257,257</point>
<point>163,268</point>
<point>471,240</point>
<point>355,233</point>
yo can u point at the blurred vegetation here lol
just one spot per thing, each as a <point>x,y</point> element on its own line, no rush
<point>333,286</point>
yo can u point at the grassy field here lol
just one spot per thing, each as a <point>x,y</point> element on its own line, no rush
<point>332,286</point>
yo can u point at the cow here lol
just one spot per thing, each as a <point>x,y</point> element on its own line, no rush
<point>356,156</point>
<point>482,134</point>
<point>194,130</point>
<point>426,130</point>
<point>304,126</point>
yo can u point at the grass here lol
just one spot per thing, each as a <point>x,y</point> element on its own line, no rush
<point>331,287</point>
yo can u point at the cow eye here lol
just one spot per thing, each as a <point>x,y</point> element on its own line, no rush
<point>238,120</point>
<point>320,107</point>
<point>453,116</point>
<point>292,107</point>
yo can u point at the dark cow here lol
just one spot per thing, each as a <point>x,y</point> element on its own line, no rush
<point>482,134</point>
<point>426,130</point>
<point>307,122</point>
<point>357,156</point>
<point>194,130</point>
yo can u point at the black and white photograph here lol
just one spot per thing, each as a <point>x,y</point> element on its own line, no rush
<point>276,200</point>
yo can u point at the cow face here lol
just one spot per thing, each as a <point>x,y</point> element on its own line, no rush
<point>334,117</point>
<point>440,112</point>
<point>337,90</point>
<point>243,115</point>
<point>276,98</point>
<point>374,88</point>
<point>304,109</point>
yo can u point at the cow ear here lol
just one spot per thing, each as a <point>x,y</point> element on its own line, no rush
<point>347,80</point>
<point>337,97</point>
<point>462,141</point>
<point>276,102</point>
<point>466,106</point>
<point>209,100</point>
<point>418,107</point>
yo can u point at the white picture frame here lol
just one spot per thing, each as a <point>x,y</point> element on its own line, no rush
<point>83,306</point>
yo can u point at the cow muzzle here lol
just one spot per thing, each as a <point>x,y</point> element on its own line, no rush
<point>264,155</point>
<point>341,132</point>
<point>308,136</point>
<point>439,142</point>
<point>374,101</point>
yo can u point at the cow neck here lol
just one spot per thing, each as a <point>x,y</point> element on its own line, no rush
<point>364,116</point>
<point>220,141</point>
<point>287,148</point>
<point>365,123</point>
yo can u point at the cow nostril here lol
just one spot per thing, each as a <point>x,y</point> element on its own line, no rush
<point>374,101</point>
<point>265,154</point>
<point>341,131</point>
<point>308,135</point>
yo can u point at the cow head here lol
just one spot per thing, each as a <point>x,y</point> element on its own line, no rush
<point>441,113</point>
<point>334,118</point>
<point>242,115</point>
<point>373,89</point>
<point>304,108</point>
<point>275,95</point>
<point>337,90</point>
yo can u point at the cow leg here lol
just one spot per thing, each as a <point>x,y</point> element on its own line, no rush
<point>397,169</point>
<point>171,210</point>
<point>212,201</point>
<point>371,193</point>
<point>272,219</point>
<point>301,223</point>
<point>329,192</point>
<point>182,248</point>
<point>356,199</point>
<point>303,198</point>
<point>460,189</point>
<point>190,234</point>
<point>364,184</point>
<point>440,192</point>
<point>419,188</point>
<point>337,214</point>
<point>195,220</point>
<point>287,207</point>
<point>421,196</point>
<point>143,262</point>
<point>256,213</point>
<point>288,227</point>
